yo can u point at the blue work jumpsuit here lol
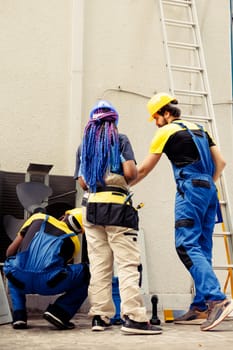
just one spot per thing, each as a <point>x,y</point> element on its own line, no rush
<point>195,213</point>
<point>41,270</point>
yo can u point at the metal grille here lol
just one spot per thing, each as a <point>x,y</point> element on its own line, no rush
<point>63,198</point>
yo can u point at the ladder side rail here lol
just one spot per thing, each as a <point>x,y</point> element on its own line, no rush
<point>209,102</point>
<point>165,41</point>
<point>225,199</point>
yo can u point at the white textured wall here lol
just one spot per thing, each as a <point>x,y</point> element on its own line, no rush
<point>58,56</point>
<point>35,84</point>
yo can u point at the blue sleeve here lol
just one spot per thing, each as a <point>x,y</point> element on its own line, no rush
<point>126,150</point>
<point>77,171</point>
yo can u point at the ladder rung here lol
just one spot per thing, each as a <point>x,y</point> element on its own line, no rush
<point>223,267</point>
<point>176,23</point>
<point>191,93</point>
<point>177,2</point>
<point>197,118</point>
<point>186,68</point>
<point>222,234</point>
<point>180,45</point>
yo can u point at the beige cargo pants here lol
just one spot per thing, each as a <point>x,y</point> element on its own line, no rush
<point>107,245</point>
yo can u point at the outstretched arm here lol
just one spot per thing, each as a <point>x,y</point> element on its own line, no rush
<point>130,171</point>
<point>146,166</point>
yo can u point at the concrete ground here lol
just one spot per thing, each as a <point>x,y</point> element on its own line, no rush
<point>42,336</point>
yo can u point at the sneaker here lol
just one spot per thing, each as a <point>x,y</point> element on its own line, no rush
<point>19,319</point>
<point>218,311</point>
<point>48,316</point>
<point>56,316</point>
<point>193,316</point>
<point>133,327</point>
<point>98,324</point>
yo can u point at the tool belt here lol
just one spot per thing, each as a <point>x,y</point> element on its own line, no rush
<point>111,207</point>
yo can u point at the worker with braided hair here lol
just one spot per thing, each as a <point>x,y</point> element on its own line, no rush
<point>105,167</point>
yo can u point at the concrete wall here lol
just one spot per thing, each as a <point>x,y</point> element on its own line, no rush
<point>59,56</point>
<point>35,83</point>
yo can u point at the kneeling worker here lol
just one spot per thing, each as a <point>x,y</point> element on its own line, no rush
<point>40,261</point>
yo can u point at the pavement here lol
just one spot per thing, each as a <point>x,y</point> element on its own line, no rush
<point>42,336</point>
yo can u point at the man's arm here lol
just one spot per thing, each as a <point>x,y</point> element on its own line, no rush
<point>82,183</point>
<point>219,162</point>
<point>146,166</point>
<point>13,247</point>
<point>129,170</point>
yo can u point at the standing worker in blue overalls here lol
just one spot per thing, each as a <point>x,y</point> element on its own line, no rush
<point>197,165</point>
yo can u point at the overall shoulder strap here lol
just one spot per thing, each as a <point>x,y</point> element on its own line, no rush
<point>62,236</point>
<point>202,146</point>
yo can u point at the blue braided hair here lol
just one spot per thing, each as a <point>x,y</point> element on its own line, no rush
<point>100,148</point>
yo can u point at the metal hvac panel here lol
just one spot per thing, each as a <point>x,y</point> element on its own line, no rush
<point>62,198</point>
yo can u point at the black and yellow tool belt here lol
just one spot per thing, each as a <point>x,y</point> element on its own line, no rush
<point>107,197</point>
<point>111,207</point>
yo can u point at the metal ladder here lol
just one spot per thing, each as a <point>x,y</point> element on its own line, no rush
<point>188,81</point>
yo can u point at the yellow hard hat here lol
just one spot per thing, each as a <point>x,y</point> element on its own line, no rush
<point>157,102</point>
<point>75,219</point>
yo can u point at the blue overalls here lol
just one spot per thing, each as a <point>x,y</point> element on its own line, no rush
<point>195,213</point>
<point>41,270</point>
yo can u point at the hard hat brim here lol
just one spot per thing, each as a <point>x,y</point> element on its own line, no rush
<point>157,102</point>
